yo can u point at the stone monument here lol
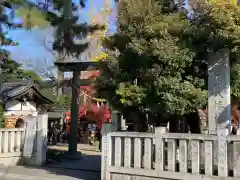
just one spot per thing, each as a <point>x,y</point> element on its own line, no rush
<point>219,105</point>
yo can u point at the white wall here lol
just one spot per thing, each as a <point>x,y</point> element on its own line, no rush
<point>13,105</point>
<point>29,106</point>
<point>17,108</point>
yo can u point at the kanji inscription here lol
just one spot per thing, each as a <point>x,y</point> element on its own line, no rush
<point>218,91</point>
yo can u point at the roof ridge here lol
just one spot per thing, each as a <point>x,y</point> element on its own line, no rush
<point>16,83</point>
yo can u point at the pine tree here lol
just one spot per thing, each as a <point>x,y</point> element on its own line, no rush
<point>67,30</point>
<point>5,22</point>
<point>69,35</point>
<point>37,18</point>
<point>13,71</point>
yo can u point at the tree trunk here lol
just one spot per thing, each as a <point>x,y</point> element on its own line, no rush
<point>61,31</point>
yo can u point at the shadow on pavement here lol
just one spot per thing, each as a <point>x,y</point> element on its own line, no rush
<point>60,168</point>
<point>87,168</point>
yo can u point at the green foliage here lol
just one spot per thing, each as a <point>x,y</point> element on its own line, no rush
<point>10,70</point>
<point>37,18</point>
<point>48,91</point>
<point>32,17</point>
<point>61,17</point>
<point>149,70</point>
<point>154,68</point>
<point>58,14</point>
<point>69,35</point>
<point>32,14</point>
<point>216,25</point>
<point>5,22</point>
<point>1,116</point>
<point>158,59</point>
<point>68,28</point>
<point>130,94</point>
<point>28,74</point>
<point>65,101</point>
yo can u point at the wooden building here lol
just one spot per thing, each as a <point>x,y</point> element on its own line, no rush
<point>20,99</point>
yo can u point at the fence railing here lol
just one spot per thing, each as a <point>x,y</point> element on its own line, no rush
<point>170,155</point>
<point>11,140</point>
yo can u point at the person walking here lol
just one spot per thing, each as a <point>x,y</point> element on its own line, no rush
<point>99,137</point>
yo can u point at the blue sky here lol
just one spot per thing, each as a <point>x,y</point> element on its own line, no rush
<point>31,49</point>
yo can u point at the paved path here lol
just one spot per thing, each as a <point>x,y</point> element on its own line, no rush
<point>91,160</point>
<point>30,173</point>
<point>80,147</point>
<point>88,163</point>
<point>88,168</point>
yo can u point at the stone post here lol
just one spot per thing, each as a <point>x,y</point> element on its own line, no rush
<point>123,124</point>
<point>42,127</point>
<point>30,136</point>
<point>106,150</point>
<point>116,120</point>
<point>159,150</point>
<point>219,106</point>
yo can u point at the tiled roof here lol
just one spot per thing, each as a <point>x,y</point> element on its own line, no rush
<point>11,90</point>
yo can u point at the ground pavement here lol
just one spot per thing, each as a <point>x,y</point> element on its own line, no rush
<point>88,168</point>
<point>45,173</point>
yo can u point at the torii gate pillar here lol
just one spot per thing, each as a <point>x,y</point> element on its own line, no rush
<point>76,68</point>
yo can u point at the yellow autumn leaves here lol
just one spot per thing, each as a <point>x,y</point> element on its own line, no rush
<point>223,4</point>
<point>226,13</point>
<point>102,56</point>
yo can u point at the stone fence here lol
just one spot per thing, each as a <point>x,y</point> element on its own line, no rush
<point>24,145</point>
<point>159,155</point>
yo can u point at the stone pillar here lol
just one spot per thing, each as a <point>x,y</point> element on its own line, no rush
<point>106,150</point>
<point>116,120</point>
<point>42,127</point>
<point>159,150</point>
<point>72,148</point>
<point>123,124</point>
<point>30,136</point>
<point>219,105</point>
